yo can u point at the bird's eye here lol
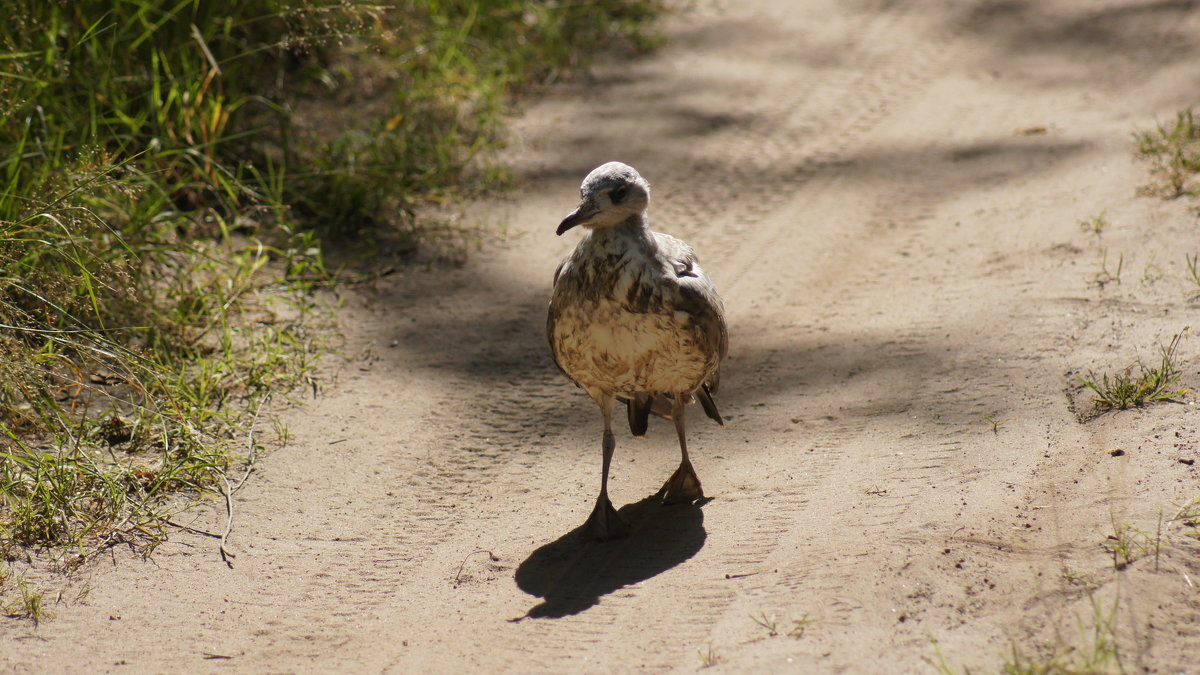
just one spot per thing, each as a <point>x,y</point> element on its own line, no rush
<point>618,195</point>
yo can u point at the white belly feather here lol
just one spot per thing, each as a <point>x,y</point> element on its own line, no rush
<point>610,348</point>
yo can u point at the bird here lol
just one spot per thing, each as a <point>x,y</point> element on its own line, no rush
<point>633,318</point>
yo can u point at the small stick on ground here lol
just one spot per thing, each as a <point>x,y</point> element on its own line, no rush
<point>740,575</point>
<point>492,556</point>
<point>251,456</point>
<point>226,555</point>
<point>189,528</point>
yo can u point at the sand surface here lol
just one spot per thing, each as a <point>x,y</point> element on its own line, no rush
<point>888,195</point>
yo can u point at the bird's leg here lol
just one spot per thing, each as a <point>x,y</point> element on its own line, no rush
<point>604,523</point>
<point>684,485</point>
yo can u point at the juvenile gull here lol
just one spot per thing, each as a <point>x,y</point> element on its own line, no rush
<point>634,318</point>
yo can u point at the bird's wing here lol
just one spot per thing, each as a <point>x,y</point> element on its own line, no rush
<point>555,311</point>
<point>696,295</point>
<point>558,270</point>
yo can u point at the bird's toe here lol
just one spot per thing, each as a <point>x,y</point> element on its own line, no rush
<point>605,523</point>
<point>683,487</point>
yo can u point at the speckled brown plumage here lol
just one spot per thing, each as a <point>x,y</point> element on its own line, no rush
<point>634,317</point>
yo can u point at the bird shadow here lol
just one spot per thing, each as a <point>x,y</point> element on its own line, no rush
<point>571,574</point>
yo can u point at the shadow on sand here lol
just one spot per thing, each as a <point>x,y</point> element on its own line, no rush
<point>571,575</point>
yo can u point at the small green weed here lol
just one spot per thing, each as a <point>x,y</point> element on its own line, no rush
<point>771,625</point>
<point>1193,273</point>
<point>1151,272</point>
<point>29,605</point>
<point>767,623</point>
<point>1174,153</point>
<point>1105,276</point>
<point>1160,383</point>
<point>799,626</point>
<point>995,424</point>
<point>1127,543</point>
<point>1080,579</point>
<point>938,660</point>
<point>709,657</point>
<point>282,433</point>
<point>1189,517</point>
<point>1094,225</point>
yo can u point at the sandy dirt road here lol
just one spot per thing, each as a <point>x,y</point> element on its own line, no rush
<point>888,196</point>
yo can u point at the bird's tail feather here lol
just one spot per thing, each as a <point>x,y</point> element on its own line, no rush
<point>710,406</point>
<point>639,413</point>
<point>640,406</point>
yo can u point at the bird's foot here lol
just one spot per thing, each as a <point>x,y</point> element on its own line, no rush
<point>604,523</point>
<point>683,487</point>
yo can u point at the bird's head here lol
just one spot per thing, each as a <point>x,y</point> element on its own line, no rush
<point>610,195</point>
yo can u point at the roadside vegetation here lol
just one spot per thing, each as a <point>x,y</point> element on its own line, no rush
<point>1173,150</point>
<point>1150,384</point>
<point>173,173</point>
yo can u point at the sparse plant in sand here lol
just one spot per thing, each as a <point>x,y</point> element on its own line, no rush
<point>1094,225</point>
<point>1076,578</point>
<point>1189,517</point>
<point>1173,150</point>
<point>768,623</point>
<point>938,660</point>
<point>1193,273</point>
<point>1128,543</point>
<point>1106,276</point>
<point>799,626</point>
<point>29,604</point>
<point>708,657</point>
<point>1150,385</point>
<point>995,423</point>
<point>1151,272</point>
<point>771,625</point>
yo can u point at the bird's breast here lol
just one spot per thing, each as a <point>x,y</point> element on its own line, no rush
<point>604,345</point>
<point>619,322</point>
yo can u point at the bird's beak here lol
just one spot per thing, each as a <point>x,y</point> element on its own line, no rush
<point>579,216</point>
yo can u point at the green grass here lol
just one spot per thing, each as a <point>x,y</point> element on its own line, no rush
<point>771,625</point>
<point>1154,384</point>
<point>171,174</point>
<point>153,287</point>
<point>768,623</point>
<point>1173,149</point>
<point>1078,579</point>
<point>994,423</point>
<point>1095,225</point>
<point>1193,273</point>
<point>1106,276</point>
<point>123,380</point>
<point>1128,543</point>
<point>28,604</point>
<point>1188,517</point>
<point>709,657</point>
<point>801,625</point>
